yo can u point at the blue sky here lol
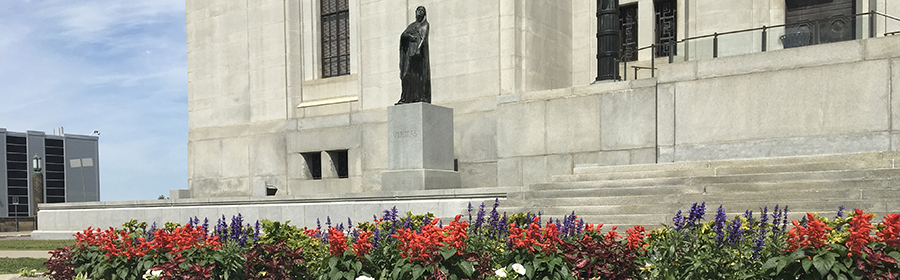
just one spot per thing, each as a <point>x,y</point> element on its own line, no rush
<point>109,65</point>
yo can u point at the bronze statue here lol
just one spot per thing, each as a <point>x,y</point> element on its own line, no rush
<point>415,70</point>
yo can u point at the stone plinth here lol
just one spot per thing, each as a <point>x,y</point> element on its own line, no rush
<point>420,148</point>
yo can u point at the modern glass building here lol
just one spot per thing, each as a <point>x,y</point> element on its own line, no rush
<point>69,168</point>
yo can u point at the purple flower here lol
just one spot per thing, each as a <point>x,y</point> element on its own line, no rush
<point>696,214</point>
<point>256,232</point>
<point>678,221</point>
<point>776,219</point>
<point>479,218</point>
<point>840,212</point>
<point>469,209</point>
<point>735,233</point>
<point>719,227</point>
<point>760,241</point>
<point>784,219</point>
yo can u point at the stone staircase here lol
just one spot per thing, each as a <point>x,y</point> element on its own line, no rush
<point>650,194</point>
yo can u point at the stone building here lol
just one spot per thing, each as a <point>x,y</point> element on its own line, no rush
<point>293,94</point>
<point>290,98</point>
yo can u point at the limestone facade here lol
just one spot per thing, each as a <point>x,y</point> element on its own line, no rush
<point>518,75</point>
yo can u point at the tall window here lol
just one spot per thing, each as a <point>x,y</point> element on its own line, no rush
<point>335,38</point>
<point>666,26</point>
<point>629,23</point>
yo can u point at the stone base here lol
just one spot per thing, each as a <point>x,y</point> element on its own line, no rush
<point>419,179</point>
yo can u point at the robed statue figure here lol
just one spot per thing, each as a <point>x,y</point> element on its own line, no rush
<point>415,71</point>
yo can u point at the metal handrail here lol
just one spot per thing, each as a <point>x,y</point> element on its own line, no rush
<point>715,36</point>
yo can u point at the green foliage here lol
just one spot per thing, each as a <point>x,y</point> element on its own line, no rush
<point>313,252</point>
<point>829,262</point>
<point>541,266</point>
<point>348,266</point>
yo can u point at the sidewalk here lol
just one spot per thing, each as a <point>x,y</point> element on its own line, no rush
<point>25,254</point>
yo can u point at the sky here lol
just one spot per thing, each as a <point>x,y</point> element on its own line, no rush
<point>115,66</point>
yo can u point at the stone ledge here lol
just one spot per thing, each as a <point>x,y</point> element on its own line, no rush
<point>323,198</point>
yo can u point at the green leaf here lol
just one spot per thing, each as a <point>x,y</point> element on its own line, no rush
<point>447,253</point>
<point>357,266</point>
<point>895,255</point>
<point>467,268</point>
<point>529,270</point>
<point>806,263</point>
<point>823,263</point>
<point>332,262</point>
<point>417,272</point>
<point>770,264</point>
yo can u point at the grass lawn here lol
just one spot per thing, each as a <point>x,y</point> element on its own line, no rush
<point>12,265</point>
<point>34,245</point>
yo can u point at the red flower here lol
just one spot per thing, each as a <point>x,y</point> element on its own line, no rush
<point>891,232</point>
<point>612,235</point>
<point>420,246</point>
<point>337,242</point>
<point>635,236</point>
<point>860,231</point>
<point>362,245</point>
<point>813,234</point>
<point>456,234</point>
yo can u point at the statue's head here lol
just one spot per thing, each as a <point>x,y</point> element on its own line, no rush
<point>420,13</point>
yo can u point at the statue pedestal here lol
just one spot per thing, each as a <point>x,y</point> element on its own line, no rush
<point>420,148</point>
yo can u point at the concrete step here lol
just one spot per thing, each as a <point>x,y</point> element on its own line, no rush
<point>805,167</point>
<point>601,192</point>
<point>857,184</point>
<point>811,195</point>
<point>889,156</point>
<point>740,175</point>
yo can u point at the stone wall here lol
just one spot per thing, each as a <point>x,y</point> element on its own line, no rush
<point>824,99</point>
<point>517,74</point>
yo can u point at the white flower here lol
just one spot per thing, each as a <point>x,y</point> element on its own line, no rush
<point>518,268</point>
<point>500,273</point>
<point>152,274</point>
<point>363,277</point>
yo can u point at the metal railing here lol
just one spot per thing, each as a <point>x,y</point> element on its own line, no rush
<point>803,33</point>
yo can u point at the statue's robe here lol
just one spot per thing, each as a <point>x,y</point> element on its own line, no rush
<point>415,69</point>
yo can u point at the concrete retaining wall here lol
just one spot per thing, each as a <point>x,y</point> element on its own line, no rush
<point>61,221</point>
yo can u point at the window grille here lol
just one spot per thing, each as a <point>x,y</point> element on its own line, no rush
<point>666,27</point>
<point>335,38</point>
<point>629,23</point>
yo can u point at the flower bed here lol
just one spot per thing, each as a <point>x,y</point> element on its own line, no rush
<point>492,245</point>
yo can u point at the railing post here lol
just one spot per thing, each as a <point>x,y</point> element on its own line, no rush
<point>764,37</point>
<point>652,62</point>
<point>671,51</point>
<point>625,69</point>
<point>871,23</point>
<point>715,44</point>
